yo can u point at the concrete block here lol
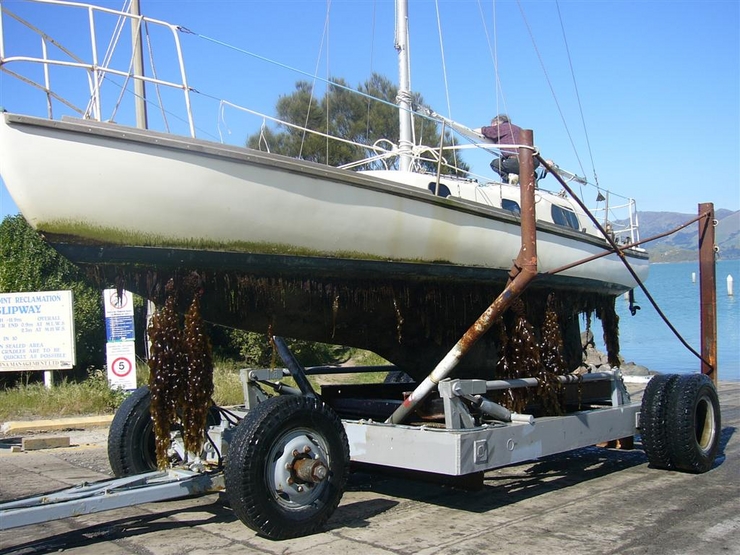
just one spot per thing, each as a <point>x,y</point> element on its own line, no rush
<point>74,422</point>
<point>36,443</point>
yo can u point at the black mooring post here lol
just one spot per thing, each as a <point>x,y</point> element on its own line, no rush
<point>708,291</point>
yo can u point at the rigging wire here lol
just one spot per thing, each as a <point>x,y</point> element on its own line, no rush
<point>622,257</point>
<point>372,55</point>
<point>115,36</point>
<point>124,90</point>
<point>45,38</point>
<point>578,96</point>
<point>327,96</point>
<point>154,74</point>
<point>444,74</point>
<point>315,77</point>
<point>493,52</point>
<point>549,83</point>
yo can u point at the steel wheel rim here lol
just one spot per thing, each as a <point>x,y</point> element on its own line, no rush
<point>296,495</point>
<point>705,428</point>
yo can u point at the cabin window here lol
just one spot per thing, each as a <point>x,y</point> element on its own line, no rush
<point>444,190</point>
<point>511,206</point>
<point>563,216</point>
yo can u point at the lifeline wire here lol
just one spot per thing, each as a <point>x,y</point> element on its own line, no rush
<point>285,66</point>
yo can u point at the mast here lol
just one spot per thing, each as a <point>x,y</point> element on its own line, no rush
<point>405,142</point>
<point>142,121</point>
<point>138,66</point>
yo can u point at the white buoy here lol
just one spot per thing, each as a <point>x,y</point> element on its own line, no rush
<point>729,286</point>
<point>693,277</point>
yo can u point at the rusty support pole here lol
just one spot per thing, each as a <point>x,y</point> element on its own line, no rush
<point>522,272</point>
<point>708,291</point>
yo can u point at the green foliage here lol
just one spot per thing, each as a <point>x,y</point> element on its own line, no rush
<point>256,351</point>
<point>361,357</point>
<point>353,117</point>
<point>28,264</point>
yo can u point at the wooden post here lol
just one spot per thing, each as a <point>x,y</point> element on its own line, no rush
<point>708,291</point>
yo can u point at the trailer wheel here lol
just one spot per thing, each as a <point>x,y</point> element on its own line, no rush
<point>131,448</point>
<point>694,423</point>
<point>653,420</point>
<point>131,440</point>
<point>398,376</point>
<point>287,466</point>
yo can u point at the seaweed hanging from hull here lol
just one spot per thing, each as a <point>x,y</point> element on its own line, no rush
<point>410,323</point>
<point>552,362</point>
<point>198,375</point>
<point>181,376</point>
<point>528,352</point>
<point>610,324</point>
<point>166,377</point>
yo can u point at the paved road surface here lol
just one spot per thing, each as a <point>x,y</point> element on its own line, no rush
<point>592,501</point>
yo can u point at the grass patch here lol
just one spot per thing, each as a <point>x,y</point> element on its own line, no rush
<point>93,396</point>
<point>34,400</point>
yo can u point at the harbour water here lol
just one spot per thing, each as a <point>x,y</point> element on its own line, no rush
<point>646,340</point>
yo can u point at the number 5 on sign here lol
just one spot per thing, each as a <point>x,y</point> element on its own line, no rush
<point>121,359</point>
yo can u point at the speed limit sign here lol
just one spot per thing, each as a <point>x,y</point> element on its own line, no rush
<point>121,359</point>
<point>121,367</point>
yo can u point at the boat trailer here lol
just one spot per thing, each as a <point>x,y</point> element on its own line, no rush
<point>300,463</point>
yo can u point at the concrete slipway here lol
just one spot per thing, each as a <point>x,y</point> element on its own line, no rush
<point>590,501</point>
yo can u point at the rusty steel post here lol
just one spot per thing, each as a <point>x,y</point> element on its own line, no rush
<point>522,272</point>
<point>708,292</point>
<point>527,258</point>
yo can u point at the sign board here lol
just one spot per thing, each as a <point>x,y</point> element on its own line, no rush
<point>36,331</point>
<point>120,333</point>
<point>119,315</point>
<point>121,357</point>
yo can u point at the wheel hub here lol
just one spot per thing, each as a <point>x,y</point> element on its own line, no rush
<point>300,467</point>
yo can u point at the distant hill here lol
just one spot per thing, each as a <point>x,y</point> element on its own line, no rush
<point>684,245</point>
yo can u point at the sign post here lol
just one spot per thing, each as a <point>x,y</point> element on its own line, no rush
<point>37,332</point>
<point>119,329</point>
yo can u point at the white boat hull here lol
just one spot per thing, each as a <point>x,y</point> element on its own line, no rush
<point>117,185</point>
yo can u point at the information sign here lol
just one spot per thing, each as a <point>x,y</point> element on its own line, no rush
<point>119,330</point>
<point>36,331</point>
<point>119,315</point>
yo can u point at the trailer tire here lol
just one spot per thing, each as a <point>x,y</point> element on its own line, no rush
<point>694,423</point>
<point>262,486</point>
<point>398,376</point>
<point>131,448</point>
<point>653,420</point>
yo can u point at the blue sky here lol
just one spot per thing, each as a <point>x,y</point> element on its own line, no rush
<point>658,81</point>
